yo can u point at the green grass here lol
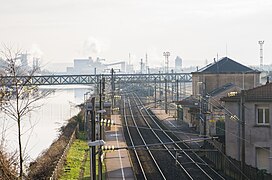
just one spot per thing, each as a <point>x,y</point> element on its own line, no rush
<point>75,156</point>
<point>74,160</point>
<point>87,169</point>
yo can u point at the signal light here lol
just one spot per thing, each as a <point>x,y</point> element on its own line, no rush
<point>108,148</point>
<point>107,122</point>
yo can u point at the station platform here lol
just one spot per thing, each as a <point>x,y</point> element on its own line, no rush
<point>118,165</point>
<point>181,129</point>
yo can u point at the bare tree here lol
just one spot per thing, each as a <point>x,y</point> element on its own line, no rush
<point>17,95</point>
<point>7,160</point>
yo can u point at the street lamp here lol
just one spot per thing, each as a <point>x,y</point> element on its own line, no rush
<point>101,111</point>
<point>96,143</point>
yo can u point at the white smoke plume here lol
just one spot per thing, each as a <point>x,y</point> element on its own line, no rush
<point>35,51</point>
<point>93,47</point>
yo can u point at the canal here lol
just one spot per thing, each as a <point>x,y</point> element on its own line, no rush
<point>41,127</point>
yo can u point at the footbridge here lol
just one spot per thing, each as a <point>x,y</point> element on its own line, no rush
<point>94,79</point>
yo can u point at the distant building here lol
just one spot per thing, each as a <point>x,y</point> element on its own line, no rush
<point>3,64</point>
<point>83,66</point>
<point>178,64</point>
<point>258,126</point>
<point>86,66</point>
<point>222,72</point>
<point>195,108</point>
<point>120,66</point>
<point>211,83</point>
<point>89,66</point>
<point>24,60</point>
<point>129,69</point>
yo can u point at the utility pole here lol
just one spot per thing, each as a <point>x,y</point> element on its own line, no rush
<point>146,65</point>
<point>205,108</point>
<point>92,155</point>
<point>242,104</point>
<point>86,113</point>
<point>177,82</point>
<point>204,116</point>
<point>165,96</point>
<point>103,101</point>
<point>112,90</point>
<point>160,88</point>
<point>142,65</point>
<point>100,131</point>
<point>155,93</point>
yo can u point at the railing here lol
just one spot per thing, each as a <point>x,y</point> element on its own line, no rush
<point>60,163</point>
<point>232,167</point>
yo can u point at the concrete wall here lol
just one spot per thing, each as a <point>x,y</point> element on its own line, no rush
<point>256,135</point>
<point>213,81</point>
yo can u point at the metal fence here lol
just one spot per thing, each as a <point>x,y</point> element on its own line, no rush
<point>232,167</point>
<point>59,166</point>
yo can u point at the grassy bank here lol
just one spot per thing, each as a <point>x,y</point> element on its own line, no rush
<point>76,162</point>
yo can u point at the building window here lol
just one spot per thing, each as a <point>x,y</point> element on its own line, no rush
<point>262,158</point>
<point>262,115</point>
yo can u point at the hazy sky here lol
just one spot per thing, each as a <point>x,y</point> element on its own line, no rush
<point>195,30</point>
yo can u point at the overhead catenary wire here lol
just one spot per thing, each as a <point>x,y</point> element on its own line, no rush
<point>229,113</point>
<point>183,148</point>
<point>238,121</point>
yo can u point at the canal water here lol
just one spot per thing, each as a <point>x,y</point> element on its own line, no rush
<point>41,127</point>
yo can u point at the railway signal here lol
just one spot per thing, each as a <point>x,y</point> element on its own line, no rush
<point>108,148</point>
<point>107,122</point>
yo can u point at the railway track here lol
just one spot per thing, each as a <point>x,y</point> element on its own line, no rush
<point>157,153</point>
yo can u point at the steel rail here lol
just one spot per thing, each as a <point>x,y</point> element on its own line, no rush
<point>132,143</point>
<point>168,150</point>
<point>182,133</point>
<point>145,144</point>
<point>181,149</point>
<point>187,146</point>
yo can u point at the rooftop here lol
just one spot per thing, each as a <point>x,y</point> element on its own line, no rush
<point>221,89</point>
<point>260,93</point>
<point>225,65</point>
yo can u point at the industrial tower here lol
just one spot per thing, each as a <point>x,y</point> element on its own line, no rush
<point>261,53</point>
<point>166,55</point>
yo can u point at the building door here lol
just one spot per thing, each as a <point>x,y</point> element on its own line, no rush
<point>262,158</point>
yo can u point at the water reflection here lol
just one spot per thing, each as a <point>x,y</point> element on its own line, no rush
<point>55,111</point>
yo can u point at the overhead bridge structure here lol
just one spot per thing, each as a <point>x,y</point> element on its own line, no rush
<point>94,79</point>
